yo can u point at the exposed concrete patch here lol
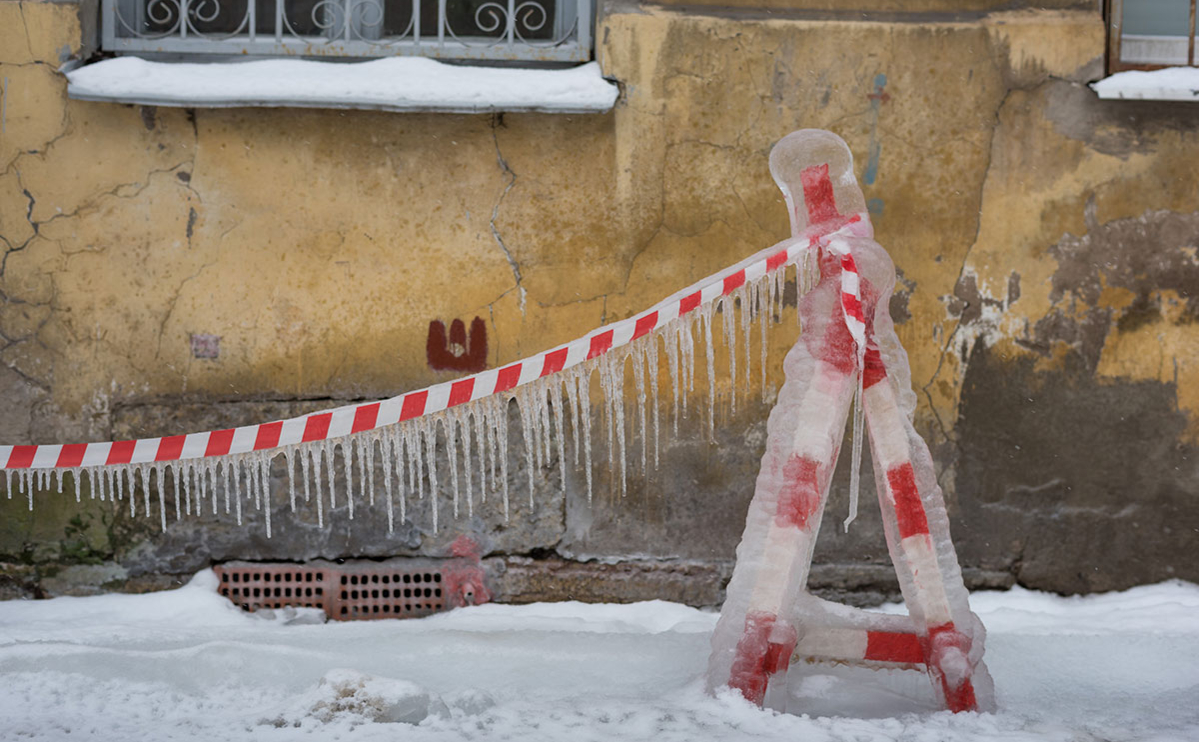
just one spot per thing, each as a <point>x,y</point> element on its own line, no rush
<point>1074,483</point>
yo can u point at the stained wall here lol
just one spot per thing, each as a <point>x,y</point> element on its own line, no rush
<point>1046,243</point>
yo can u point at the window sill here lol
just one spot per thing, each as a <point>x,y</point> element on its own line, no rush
<point>390,84</point>
<point>1169,83</point>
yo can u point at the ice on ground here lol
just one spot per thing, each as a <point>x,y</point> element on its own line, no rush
<point>186,665</point>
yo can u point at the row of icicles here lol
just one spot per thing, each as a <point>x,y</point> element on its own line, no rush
<point>476,432</point>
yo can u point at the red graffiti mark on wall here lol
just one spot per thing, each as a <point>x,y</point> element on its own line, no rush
<point>457,352</point>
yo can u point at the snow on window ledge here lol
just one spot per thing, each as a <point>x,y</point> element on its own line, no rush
<point>1170,83</point>
<point>391,84</point>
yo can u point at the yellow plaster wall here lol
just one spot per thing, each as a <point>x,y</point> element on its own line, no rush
<point>320,244</point>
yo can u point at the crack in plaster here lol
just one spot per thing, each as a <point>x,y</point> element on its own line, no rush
<point>496,123</point>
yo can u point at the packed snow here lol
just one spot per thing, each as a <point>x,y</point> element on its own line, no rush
<point>1170,83</point>
<point>188,665</point>
<point>391,84</point>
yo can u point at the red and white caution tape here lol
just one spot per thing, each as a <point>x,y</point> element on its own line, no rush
<point>359,418</point>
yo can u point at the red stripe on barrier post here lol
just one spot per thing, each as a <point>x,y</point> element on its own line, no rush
<point>892,646</point>
<point>507,378</point>
<point>602,343</point>
<point>799,498</point>
<point>554,361</point>
<point>121,452</point>
<point>365,417</point>
<point>268,435</point>
<point>690,302</point>
<point>875,371</point>
<point>71,455</point>
<point>219,442</point>
<point>460,391</point>
<point>316,428</point>
<point>853,307</point>
<point>21,457</point>
<point>909,510</point>
<point>414,405</point>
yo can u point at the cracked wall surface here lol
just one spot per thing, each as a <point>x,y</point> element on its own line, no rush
<point>1046,242</point>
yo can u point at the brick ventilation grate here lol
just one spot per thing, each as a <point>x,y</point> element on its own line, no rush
<point>396,588</point>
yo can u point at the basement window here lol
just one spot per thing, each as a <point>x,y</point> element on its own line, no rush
<point>494,30</point>
<point>459,56</point>
<point>1151,51</point>
<point>1151,34</point>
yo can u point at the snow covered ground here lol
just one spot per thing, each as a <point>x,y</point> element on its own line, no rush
<point>186,665</point>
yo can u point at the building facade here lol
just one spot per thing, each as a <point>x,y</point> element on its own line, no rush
<point>172,269</point>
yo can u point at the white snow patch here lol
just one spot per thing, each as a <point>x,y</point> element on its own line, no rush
<point>186,665</point>
<point>392,84</point>
<point>1169,83</point>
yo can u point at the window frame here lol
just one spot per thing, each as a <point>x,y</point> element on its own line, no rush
<point>570,40</point>
<point>1115,24</point>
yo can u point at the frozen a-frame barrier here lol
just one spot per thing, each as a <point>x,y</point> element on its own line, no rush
<point>848,350</point>
<point>848,353</point>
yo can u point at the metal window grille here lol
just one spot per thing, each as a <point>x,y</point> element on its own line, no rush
<point>360,590</point>
<point>1151,34</point>
<point>526,30</point>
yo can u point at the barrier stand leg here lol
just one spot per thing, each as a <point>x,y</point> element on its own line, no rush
<point>910,499</point>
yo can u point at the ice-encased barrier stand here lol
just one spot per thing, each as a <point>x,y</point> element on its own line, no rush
<point>848,350</point>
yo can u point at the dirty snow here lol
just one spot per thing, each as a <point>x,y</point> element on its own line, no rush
<point>187,665</point>
<point>392,84</point>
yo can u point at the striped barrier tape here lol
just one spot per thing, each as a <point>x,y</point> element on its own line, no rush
<point>364,417</point>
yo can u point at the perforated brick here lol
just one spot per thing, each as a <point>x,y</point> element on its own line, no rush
<point>356,590</point>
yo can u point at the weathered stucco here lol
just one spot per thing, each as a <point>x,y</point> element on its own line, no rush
<point>1046,242</point>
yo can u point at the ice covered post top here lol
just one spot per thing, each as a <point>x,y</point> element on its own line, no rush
<point>814,170</point>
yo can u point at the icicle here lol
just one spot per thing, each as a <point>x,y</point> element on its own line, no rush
<point>369,484</point>
<point>288,454</point>
<point>467,473</point>
<point>264,475</point>
<point>728,328</point>
<point>160,471</point>
<point>744,303</point>
<point>27,488</point>
<point>706,319</point>
<point>855,473</point>
<point>132,491</point>
<point>583,400</point>
<point>532,449</point>
<point>430,439</point>
<point>672,358</point>
<point>347,464</point>
<point>765,308</point>
<point>385,451</point>
<point>570,387</point>
<point>450,426</point>
<point>652,369</point>
<point>403,466</point>
<point>639,385</point>
<point>330,474</point>
<point>77,474</point>
<point>500,426</point>
<point>555,394</point>
<point>481,435</point>
<point>8,483</point>
<point>237,461</point>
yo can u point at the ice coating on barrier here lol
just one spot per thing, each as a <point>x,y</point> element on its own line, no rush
<point>847,356</point>
<point>462,453</point>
